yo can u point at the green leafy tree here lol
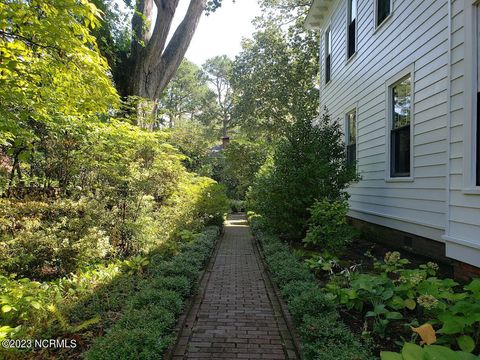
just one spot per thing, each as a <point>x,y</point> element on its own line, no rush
<point>194,141</point>
<point>307,165</point>
<point>243,159</point>
<point>275,76</point>
<point>50,69</point>
<point>218,72</point>
<point>187,96</point>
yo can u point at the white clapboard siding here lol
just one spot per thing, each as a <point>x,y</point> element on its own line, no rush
<point>463,231</point>
<point>416,34</point>
<point>428,37</point>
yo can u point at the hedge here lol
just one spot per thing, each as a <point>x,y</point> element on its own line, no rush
<point>322,333</point>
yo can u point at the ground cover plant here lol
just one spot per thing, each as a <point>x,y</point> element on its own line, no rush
<point>128,300</point>
<point>393,301</point>
<point>323,335</point>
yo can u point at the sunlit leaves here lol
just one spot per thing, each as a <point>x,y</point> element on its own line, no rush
<point>50,63</point>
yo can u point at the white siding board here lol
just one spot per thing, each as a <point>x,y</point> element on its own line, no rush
<point>416,34</point>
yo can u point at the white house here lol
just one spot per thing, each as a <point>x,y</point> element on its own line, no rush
<point>404,78</point>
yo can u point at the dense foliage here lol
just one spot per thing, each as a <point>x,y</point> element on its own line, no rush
<point>50,68</point>
<point>242,160</point>
<point>91,204</point>
<point>274,80</point>
<point>395,294</point>
<point>145,329</point>
<point>323,334</point>
<point>116,294</point>
<point>327,226</point>
<point>308,164</point>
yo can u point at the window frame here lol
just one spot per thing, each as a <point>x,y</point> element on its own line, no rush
<point>347,134</point>
<point>471,160</point>
<point>389,85</point>
<point>348,23</point>
<point>376,25</point>
<point>328,56</point>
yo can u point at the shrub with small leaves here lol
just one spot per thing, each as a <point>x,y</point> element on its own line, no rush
<point>327,226</point>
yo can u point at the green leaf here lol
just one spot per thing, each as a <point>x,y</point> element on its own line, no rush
<point>6,308</point>
<point>396,303</point>
<point>474,287</point>
<point>389,355</point>
<point>437,352</point>
<point>466,343</point>
<point>387,294</point>
<point>87,323</point>
<point>410,304</point>
<point>35,304</point>
<point>394,315</point>
<point>412,352</point>
<point>452,324</point>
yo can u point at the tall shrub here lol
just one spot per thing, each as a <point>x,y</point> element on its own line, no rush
<point>308,164</point>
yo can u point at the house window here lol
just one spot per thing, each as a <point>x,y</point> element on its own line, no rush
<point>351,137</point>
<point>478,139</point>
<point>351,27</point>
<point>328,55</point>
<point>477,182</point>
<point>383,9</point>
<point>400,110</point>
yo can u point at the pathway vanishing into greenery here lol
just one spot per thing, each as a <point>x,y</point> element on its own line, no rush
<point>236,313</point>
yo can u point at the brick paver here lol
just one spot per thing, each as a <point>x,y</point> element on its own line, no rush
<point>236,314</point>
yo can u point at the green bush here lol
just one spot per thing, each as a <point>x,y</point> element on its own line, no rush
<point>428,352</point>
<point>179,284</point>
<point>323,334</point>
<point>237,206</point>
<point>327,338</point>
<point>327,226</point>
<point>162,299</point>
<point>295,288</point>
<point>311,302</point>
<point>242,160</point>
<point>308,164</point>
<point>42,240</point>
<point>152,311</point>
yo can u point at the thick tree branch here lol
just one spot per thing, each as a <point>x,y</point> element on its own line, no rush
<point>165,13</point>
<point>178,45</point>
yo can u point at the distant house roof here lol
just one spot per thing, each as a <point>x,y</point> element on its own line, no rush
<point>318,13</point>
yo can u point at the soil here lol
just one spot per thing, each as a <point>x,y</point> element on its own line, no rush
<point>355,254</point>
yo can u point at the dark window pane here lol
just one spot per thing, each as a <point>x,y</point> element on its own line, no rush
<point>478,139</point>
<point>328,52</point>
<point>400,152</point>
<point>351,38</point>
<point>401,101</point>
<point>327,69</point>
<point>383,10</point>
<point>351,154</point>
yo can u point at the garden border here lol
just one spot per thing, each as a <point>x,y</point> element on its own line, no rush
<point>187,320</point>
<point>267,277</point>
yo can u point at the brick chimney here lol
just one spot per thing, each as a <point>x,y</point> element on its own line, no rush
<point>225,141</point>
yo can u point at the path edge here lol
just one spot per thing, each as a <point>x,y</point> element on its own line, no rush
<point>193,303</point>
<point>283,307</point>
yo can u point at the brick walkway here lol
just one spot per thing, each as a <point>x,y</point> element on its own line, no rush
<point>236,314</point>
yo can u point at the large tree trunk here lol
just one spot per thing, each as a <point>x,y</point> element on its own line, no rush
<point>155,61</point>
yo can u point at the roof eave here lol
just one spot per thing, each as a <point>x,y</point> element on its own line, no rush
<point>317,14</point>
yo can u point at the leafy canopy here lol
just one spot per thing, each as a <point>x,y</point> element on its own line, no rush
<point>50,63</point>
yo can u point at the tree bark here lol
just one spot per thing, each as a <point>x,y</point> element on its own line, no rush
<point>155,61</point>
